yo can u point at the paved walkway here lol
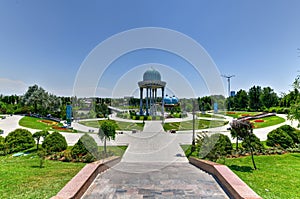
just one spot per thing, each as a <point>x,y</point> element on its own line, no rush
<point>154,166</point>
<point>153,145</point>
<point>180,180</point>
<point>11,123</point>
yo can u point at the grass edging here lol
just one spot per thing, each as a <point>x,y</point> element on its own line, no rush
<point>234,186</point>
<point>78,185</point>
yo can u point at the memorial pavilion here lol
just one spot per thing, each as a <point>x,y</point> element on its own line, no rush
<point>151,83</point>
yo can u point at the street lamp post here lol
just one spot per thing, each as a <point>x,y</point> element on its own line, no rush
<point>228,80</point>
<point>193,141</point>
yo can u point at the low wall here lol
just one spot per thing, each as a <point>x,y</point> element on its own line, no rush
<point>233,185</point>
<point>78,185</point>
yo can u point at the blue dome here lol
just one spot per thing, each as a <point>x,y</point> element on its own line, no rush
<point>175,100</point>
<point>151,75</point>
<point>167,100</point>
<point>171,100</point>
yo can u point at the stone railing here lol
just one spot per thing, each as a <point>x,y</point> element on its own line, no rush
<point>78,185</point>
<point>231,183</point>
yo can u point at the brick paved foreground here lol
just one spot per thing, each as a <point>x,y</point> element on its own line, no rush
<point>154,180</point>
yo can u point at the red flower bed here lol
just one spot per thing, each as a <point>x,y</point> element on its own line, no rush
<point>230,113</point>
<point>258,120</point>
<point>59,128</point>
<point>245,115</point>
<point>48,122</point>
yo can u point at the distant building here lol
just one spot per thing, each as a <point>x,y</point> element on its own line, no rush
<point>171,101</point>
<point>232,93</point>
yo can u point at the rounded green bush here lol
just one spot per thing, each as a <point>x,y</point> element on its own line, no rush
<point>215,146</point>
<point>292,132</point>
<point>278,137</point>
<point>3,146</point>
<point>85,145</point>
<point>55,142</point>
<point>19,140</point>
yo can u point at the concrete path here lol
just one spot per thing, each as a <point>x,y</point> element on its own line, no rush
<point>151,180</point>
<point>154,166</point>
<point>11,123</point>
<point>153,145</point>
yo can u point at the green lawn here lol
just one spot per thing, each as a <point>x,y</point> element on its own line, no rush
<point>277,176</point>
<point>188,125</point>
<point>210,116</point>
<point>238,114</point>
<point>21,177</point>
<point>125,126</point>
<point>35,123</point>
<point>116,150</point>
<point>268,121</point>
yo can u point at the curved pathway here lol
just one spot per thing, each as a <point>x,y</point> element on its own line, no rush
<point>184,137</point>
<point>11,123</point>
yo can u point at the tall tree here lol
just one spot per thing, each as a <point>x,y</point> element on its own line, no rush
<point>254,98</point>
<point>268,97</point>
<point>244,130</point>
<point>41,101</point>
<point>241,100</point>
<point>107,131</point>
<point>54,104</point>
<point>37,98</point>
<point>205,103</point>
<point>294,113</point>
<point>31,89</point>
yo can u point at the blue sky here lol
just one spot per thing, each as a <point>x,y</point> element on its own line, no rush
<point>46,42</point>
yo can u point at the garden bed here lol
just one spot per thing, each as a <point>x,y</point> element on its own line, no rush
<point>42,124</point>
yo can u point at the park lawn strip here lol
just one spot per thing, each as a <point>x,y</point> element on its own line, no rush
<point>33,123</point>
<point>21,177</point>
<point>116,150</point>
<point>268,121</point>
<point>188,125</point>
<point>210,116</point>
<point>238,114</point>
<point>124,126</point>
<point>277,176</point>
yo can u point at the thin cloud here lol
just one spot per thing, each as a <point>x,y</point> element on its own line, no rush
<point>11,87</point>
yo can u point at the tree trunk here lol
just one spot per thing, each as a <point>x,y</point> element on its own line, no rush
<point>105,146</point>
<point>252,157</point>
<point>237,144</point>
<point>37,144</point>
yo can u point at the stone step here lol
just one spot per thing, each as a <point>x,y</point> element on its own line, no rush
<point>154,180</point>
